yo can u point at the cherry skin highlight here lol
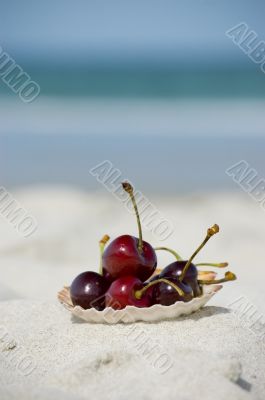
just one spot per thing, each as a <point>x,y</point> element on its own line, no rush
<point>88,290</point>
<point>174,270</point>
<point>122,258</point>
<point>165,294</point>
<point>121,293</point>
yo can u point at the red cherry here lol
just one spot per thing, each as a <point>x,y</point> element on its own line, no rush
<point>186,271</point>
<point>122,258</point>
<point>128,255</point>
<point>164,293</point>
<point>175,269</point>
<point>88,289</point>
<point>122,293</point>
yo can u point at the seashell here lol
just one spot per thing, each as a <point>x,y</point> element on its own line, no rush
<point>131,314</point>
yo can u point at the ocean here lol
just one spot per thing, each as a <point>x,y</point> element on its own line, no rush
<point>167,131</point>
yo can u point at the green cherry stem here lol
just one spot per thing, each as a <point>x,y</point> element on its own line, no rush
<point>175,254</point>
<point>102,245</point>
<point>216,265</point>
<point>129,189</point>
<point>139,293</point>
<point>210,232</point>
<point>229,276</point>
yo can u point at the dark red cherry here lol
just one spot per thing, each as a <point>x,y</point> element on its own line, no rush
<point>165,294</point>
<point>122,257</point>
<point>128,255</point>
<point>175,269</point>
<point>88,290</point>
<point>123,292</point>
<point>185,271</point>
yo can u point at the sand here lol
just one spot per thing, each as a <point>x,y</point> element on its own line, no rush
<point>208,355</point>
<point>46,354</point>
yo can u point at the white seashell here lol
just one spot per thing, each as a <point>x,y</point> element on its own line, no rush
<point>132,314</point>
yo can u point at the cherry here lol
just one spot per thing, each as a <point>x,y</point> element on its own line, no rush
<point>122,257</point>
<point>128,255</point>
<point>131,291</point>
<point>88,289</point>
<point>192,275</point>
<point>166,294</point>
<point>175,270</point>
<point>186,271</point>
<point>123,292</point>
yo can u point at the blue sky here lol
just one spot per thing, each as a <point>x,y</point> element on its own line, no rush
<point>121,30</point>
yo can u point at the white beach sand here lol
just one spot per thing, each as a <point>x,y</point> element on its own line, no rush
<point>215,352</point>
<point>210,351</point>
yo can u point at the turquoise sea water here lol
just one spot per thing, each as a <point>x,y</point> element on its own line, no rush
<point>157,163</point>
<point>147,82</point>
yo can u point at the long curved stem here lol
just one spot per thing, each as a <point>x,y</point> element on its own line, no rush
<point>139,293</point>
<point>102,245</point>
<point>210,232</point>
<point>129,189</point>
<point>175,254</point>
<point>216,265</point>
<point>229,276</point>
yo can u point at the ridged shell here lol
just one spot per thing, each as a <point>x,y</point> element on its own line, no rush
<point>132,314</point>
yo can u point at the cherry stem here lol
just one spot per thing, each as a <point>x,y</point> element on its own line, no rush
<point>102,245</point>
<point>129,189</point>
<point>139,293</point>
<point>217,265</point>
<point>175,254</point>
<point>210,232</point>
<point>229,276</point>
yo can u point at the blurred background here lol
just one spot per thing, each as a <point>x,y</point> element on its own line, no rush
<point>156,87</point>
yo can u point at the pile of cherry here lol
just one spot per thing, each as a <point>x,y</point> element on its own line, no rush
<point>128,274</point>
